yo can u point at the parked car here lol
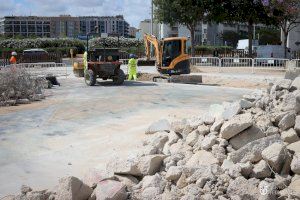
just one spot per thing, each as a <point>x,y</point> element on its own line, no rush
<point>35,52</point>
<point>35,55</point>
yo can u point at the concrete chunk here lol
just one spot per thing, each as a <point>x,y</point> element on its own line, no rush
<point>275,155</point>
<point>252,151</point>
<point>236,125</point>
<point>246,136</point>
<point>289,136</point>
<point>161,125</point>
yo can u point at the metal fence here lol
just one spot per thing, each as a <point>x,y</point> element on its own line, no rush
<point>205,61</point>
<point>270,63</point>
<point>297,62</point>
<point>236,62</point>
<point>41,69</point>
<point>35,58</point>
<point>251,63</point>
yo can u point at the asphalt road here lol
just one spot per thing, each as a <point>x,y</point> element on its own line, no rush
<point>78,127</point>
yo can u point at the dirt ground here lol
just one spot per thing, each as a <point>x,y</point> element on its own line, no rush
<point>79,127</point>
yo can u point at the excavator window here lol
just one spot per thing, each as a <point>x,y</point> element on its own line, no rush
<point>171,50</point>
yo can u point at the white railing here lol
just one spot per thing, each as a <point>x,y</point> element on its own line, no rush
<point>124,61</point>
<point>251,63</point>
<point>273,63</point>
<point>41,69</point>
<point>236,62</point>
<point>205,61</point>
<point>297,62</point>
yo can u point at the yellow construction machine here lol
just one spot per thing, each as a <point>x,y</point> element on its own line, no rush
<point>170,53</point>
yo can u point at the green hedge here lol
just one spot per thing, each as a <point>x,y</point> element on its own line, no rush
<point>64,45</point>
<point>49,44</point>
<point>213,48</point>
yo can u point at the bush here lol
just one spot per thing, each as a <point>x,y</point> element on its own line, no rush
<point>112,42</point>
<point>45,43</point>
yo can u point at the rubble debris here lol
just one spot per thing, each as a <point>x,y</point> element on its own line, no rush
<point>252,153</point>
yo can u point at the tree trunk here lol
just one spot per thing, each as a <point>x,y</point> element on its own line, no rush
<point>286,34</point>
<point>192,30</point>
<point>250,37</point>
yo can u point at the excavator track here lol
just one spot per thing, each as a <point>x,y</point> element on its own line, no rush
<point>162,79</point>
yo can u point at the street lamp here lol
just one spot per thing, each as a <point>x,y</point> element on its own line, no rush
<point>88,35</point>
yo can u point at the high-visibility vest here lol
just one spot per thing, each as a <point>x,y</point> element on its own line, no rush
<point>132,64</point>
<point>13,60</point>
<point>85,61</point>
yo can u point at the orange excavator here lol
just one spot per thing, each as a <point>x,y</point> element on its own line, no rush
<point>170,53</point>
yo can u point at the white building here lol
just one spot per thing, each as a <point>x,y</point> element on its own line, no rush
<point>145,27</point>
<point>293,41</point>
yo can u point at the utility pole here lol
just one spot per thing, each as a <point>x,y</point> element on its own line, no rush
<point>151,23</point>
<point>151,28</point>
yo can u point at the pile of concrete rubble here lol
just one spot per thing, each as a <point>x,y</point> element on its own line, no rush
<point>19,87</point>
<point>248,149</point>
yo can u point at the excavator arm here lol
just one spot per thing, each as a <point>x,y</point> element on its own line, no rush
<point>148,40</point>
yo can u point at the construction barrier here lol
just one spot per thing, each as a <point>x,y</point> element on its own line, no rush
<point>236,62</point>
<point>270,63</point>
<point>297,62</point>
<point>41,69</point>
<point>205,61</point>
<point>251,63</point>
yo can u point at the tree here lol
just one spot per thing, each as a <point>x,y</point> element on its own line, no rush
<point>231,37</point>
<point>185,12</point>
<point>269,36</point>
<point>286,15</point>
<point>245,11</point>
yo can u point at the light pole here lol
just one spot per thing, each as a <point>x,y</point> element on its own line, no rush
<point>151,24</point>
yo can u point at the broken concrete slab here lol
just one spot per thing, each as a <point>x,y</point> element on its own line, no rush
<point>275,155</point>
<point>252,151</point>
<point>160,125</point>
<point>110,190</point>
<point>246,136</point>
<point>202,158</point>
<point>71,188</point>
<point>236,125</point>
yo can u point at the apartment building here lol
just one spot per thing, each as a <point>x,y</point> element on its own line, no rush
<point>112,25</point>
<point>63,26</point>
<point>25,26</point>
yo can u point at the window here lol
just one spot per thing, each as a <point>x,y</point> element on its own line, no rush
<point>31,28</point>
<point>171,50</point>
<point>23,28</point>
<point>16,28</point>
<point>39,28</point>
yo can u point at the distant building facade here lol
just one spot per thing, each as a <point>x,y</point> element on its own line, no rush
<point>145,27</point>
<point>132,31</point>
<point>25,26</point>
<point>205,33</point>
<point>112,25</point>
<point>62,26</point>
<point>293,41</point>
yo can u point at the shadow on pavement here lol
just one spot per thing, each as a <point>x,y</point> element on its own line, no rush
<point>126,83</point>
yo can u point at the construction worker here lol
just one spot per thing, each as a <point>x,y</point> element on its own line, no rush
<point>85,61</point>
<point>132,67</point>
<point>13,59</point>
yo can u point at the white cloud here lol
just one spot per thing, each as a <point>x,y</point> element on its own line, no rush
<point>133,10</point>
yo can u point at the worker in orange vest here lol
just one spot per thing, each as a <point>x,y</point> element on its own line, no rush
<point>13,59</point>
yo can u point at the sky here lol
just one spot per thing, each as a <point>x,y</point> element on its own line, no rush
<point>134,11</point>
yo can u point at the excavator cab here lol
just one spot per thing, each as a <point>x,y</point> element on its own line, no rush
<point>170,53</point>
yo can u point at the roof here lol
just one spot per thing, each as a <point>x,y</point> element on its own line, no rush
<point>175,38</point>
